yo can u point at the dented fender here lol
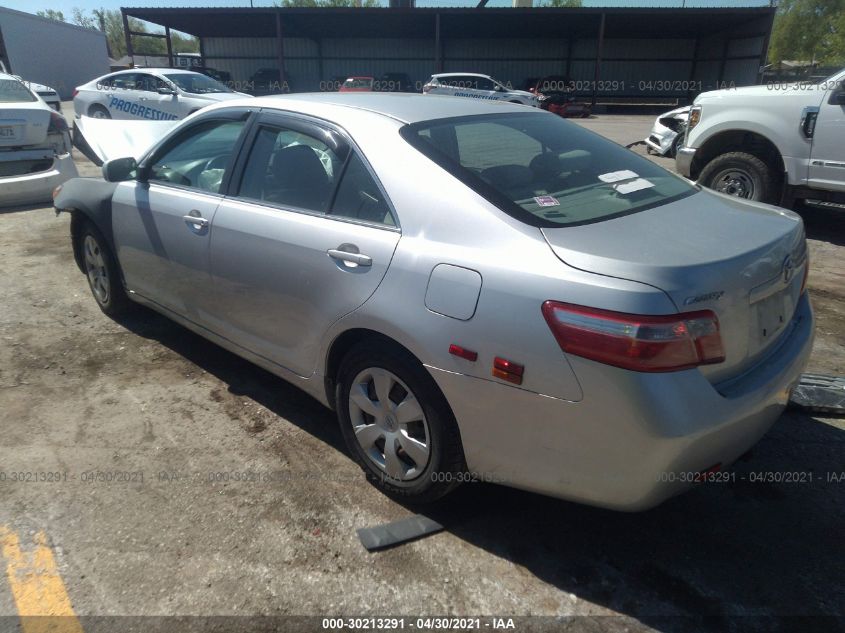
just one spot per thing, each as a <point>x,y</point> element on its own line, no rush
<point>87,199</point>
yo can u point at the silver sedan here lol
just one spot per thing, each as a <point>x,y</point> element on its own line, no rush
<point>481,291</point>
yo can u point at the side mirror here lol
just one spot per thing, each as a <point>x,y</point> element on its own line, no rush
<point>497,88</point>
<point>164,90</point>
<point>837,98</point>
<point>120,169</point>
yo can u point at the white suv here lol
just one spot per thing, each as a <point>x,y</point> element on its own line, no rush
<point>476,86</point>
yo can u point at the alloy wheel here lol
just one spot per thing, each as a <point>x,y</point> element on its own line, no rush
<point>95,267</point>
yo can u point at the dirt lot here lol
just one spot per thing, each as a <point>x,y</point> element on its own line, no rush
<point>84,396</point>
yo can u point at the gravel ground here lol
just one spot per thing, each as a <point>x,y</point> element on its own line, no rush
<point>81,393</point>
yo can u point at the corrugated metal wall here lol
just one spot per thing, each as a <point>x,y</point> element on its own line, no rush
<point>53,53</point>
<point>630,68</point>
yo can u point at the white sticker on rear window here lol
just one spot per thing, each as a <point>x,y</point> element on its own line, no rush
<point>633,185</point>
<point>616,176</point>
<point>546,201</point>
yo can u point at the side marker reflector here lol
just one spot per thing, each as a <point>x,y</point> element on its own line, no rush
<point>508,370</point>
<point>457,350</point>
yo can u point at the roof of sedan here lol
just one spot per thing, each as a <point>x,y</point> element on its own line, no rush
<point>407,108</point>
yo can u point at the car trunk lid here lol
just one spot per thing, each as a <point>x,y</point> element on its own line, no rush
<point>742,260</point>
<point>21,125</point>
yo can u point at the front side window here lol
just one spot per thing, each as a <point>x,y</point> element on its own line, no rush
<point>290,169</point>
<point>195,83</point>
<point>543,170</point>
<point>198,158</point>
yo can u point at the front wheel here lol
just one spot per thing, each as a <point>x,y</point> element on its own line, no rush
<point>102,272</point>
<point>397,425</point>
<point>741,175</point>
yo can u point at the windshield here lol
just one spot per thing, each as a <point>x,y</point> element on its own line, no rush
<point>196,83</point>
<point>13,91</point>
<point>543,170</point>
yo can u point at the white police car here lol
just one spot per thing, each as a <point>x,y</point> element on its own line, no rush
<point>152,94</point>
<point>476,86</point>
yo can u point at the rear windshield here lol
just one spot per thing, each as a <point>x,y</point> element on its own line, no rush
<point>544,170</point>
<point>13,91</point>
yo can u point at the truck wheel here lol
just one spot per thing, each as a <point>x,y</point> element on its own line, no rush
<point>741,175</point>
<point>98,112</point>
<point>396,423</point>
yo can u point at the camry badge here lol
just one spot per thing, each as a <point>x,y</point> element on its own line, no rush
<point>787,270</point>
<point>710,296</point>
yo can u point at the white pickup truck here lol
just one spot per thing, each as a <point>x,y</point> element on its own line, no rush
<point>774,143</point>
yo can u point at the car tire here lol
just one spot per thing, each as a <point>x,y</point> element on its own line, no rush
<point>389,449</point>
<point>102,272</point>
<point>98,112</point>
<point>742,175</point>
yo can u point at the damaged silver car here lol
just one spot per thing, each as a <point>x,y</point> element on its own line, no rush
<point>35,146</point>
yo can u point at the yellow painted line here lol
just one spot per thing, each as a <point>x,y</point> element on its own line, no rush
<point>39,591</point>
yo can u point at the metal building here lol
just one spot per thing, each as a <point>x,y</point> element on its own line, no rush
<point>612,55</point>
<point>50,52</point>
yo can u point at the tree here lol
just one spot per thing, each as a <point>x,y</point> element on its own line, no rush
<point>79,18</point>
<point>51,14</point>
<point>809,30</point>
<point>560,3</point>
<point>110,22</point>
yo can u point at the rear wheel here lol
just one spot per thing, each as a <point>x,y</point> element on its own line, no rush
<point>98,112</point>
<point>102,272</point>
<point>742,175</point>
<point>396,423</point>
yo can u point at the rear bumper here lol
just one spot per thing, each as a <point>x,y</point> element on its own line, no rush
<point>635,439</point>
<point>37,187</point>
<point>683,161</point>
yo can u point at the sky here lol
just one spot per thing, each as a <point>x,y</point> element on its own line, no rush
<point>66,6</point>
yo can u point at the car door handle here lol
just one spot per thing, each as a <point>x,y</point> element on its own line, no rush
<point>196,220</point>
<point>352,258</point>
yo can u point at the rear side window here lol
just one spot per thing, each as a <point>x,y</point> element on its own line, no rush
<point>359,197</point>
<point>13,91</point>
<point>544,170</point>
<point>290,169</point>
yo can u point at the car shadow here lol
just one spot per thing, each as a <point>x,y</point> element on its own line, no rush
<point>747,555</point>
<point>242,377</point>
<point>20,208</point>
<point>823,223</point>
<point>752,554</point>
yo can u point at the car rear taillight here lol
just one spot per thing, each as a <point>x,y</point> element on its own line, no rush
<point>637,342</point>
<point>57,123</point>
<point>75,92</point>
